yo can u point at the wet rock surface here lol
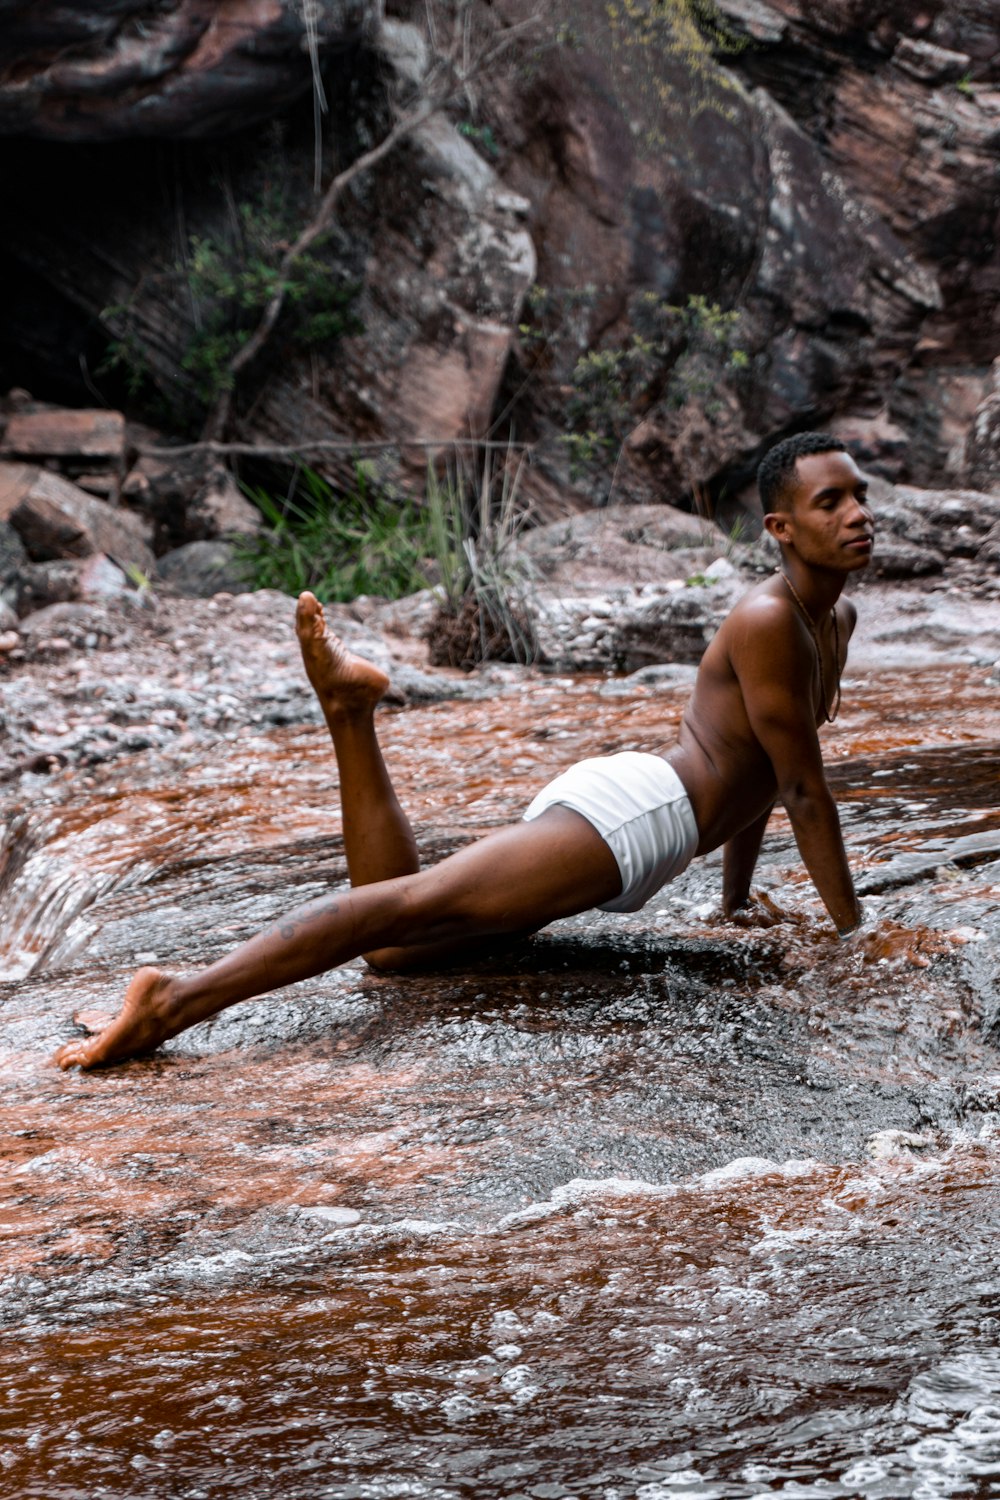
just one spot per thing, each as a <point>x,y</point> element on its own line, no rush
<point>850,226</point>
<point>533,1202</point>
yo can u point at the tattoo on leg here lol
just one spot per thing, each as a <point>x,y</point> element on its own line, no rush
<point>322,909</point>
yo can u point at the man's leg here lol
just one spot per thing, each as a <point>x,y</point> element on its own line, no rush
<point>513,881</point>
<point>378,839</point>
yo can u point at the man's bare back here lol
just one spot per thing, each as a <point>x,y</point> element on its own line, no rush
<point>748,735</point>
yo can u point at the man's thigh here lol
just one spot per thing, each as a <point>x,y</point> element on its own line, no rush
<point>510,883</point>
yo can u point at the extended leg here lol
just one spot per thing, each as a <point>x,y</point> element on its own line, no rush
<point>512,881</point>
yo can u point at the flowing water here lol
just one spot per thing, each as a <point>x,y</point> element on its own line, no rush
<point>648,1207</point>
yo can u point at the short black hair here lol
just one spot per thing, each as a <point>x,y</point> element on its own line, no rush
<point>777,468</point>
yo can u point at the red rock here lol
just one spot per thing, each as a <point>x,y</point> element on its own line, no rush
<point>56,519</point>
<point>60,433</point>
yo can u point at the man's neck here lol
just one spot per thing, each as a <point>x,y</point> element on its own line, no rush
<point>818,588</point>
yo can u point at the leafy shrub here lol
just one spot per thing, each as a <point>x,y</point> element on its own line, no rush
<point>228,281</point>
<point>675,353</point>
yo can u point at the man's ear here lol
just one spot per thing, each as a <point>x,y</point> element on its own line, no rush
<point>777,524</point>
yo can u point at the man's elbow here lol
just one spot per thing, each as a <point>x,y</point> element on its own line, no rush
<point>803,801</point>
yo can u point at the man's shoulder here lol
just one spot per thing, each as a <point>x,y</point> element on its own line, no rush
<point>762,608</point>
<point>763,632</point>
<point>847,612</point>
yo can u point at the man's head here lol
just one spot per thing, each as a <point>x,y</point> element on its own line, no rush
<point>815,500</point>
<point>776,477</point>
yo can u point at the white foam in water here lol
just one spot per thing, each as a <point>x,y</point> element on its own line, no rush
<point>741,1166</point>
<point>331,1215</point>
<point>686,1482</point>
<point>581,1190</point>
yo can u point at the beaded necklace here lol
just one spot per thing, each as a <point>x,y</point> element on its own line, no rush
<point>827,715</point>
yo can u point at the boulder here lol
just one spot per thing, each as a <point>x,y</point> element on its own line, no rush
<point>626,629</point>
<point>202,569</point>
<point>448,259</point>
<point>46,583</point>
<point>982,446</point>
<point>13,556</point>
<point>68,580</point>
<point>649,545</point>
<point>919,532</point>
<point>674,628</point>
<point>56,519</point>
<point>918,149</point>
<point>189,498</point>
<point>106,72</point>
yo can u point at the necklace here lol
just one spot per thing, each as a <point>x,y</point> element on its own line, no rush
<point>828,716</point>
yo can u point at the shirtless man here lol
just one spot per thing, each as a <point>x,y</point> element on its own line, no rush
<point>609,832</point>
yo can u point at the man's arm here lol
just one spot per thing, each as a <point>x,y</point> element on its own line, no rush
<point>773,657</point>
<point>739,859</point>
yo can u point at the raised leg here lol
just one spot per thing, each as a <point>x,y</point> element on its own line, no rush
<point>513,881</point>
<point>378,839</point>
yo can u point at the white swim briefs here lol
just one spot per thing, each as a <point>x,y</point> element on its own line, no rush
<point>638,805</point>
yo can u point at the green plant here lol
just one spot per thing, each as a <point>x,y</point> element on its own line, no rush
<point>127,351</point>
<point>230,283</point>
<point>675,353</point>
<point>227,281</point>
<point>482,138</point>
<point>137,578</point>
<point>476,520</point>
<point>652,39</point>
<point>964,85</point>
<point>339,545</point>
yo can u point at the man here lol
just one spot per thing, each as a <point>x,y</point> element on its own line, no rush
<point>607,833</point>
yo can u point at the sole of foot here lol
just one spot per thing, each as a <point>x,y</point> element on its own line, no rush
<point>343,682</point>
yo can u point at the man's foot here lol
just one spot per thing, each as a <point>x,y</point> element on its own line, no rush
<point>345,684</point>
<point>139,1026</point>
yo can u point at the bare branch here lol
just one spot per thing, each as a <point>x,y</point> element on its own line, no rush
<point>444,77</point>
<point>217,449</point>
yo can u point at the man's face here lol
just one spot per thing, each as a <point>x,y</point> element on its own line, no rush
<point>825,517</point>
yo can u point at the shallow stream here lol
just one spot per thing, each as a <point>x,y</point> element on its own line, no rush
<point>650,1206</point>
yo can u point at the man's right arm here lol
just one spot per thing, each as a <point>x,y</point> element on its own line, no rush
<point>773,658</point>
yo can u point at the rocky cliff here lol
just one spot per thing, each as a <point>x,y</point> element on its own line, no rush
<point>644,239</point>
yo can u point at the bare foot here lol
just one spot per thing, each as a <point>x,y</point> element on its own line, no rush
<point>343,683</point>
<point>139,1026</point>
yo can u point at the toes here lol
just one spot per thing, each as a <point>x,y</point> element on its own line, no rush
<point>92,1020</point>
<point>308,613</point>
<point>74,1054</point>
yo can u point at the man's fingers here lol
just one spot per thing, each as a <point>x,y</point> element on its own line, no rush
<point>891,941</point>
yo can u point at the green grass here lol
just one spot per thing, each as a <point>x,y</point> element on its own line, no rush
<point>461,535</point>
<point>339,545</point>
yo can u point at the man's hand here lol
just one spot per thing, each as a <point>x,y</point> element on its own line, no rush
<point>887,941</point>
<point>757,910</point>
